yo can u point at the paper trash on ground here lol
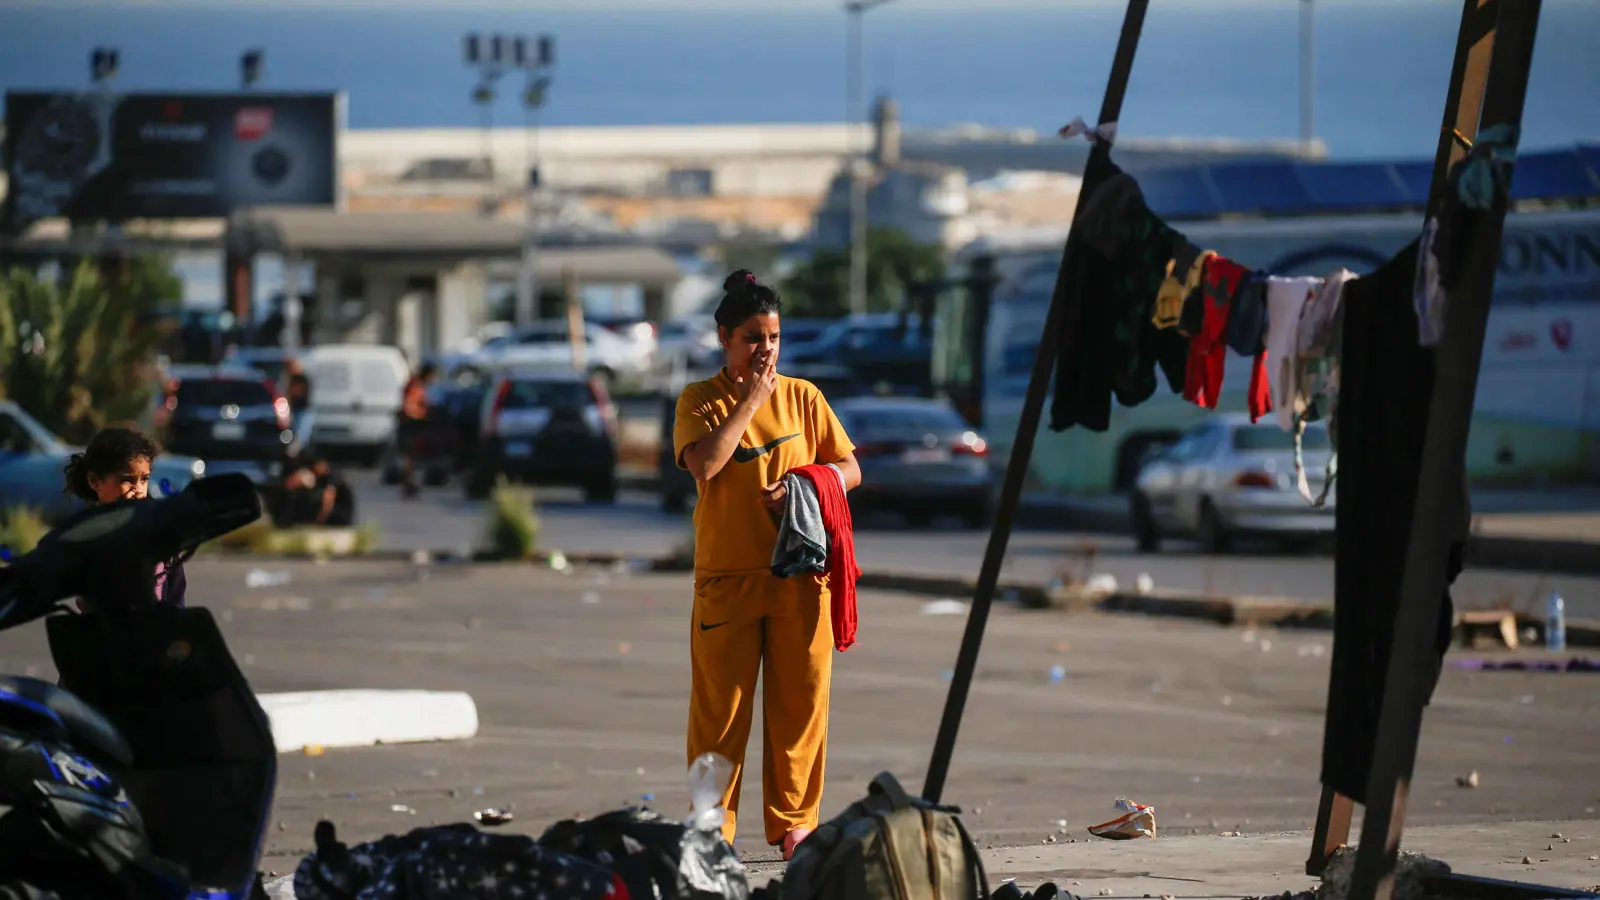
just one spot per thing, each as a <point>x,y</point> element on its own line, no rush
<point>1136,821</point>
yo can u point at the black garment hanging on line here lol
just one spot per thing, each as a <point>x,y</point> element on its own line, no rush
<point>1117,255</point>
<point>1386,389</point>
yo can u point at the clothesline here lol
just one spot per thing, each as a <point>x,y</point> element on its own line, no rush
<point>1163,302</point>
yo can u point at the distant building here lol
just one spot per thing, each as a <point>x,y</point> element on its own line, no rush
<point>928,201</point>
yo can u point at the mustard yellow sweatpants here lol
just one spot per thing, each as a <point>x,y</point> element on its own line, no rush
<point>782,628</point>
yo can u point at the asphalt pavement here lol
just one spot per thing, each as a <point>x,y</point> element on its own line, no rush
<point>581,684</point>
<point>441,519</point>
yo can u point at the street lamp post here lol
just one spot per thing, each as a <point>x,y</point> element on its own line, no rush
<point>1308,87</point>
<point>535,58</point>
<point>488,57</point>
<point>103,65</point>
<point>858,188</point>
<point>250,67</point>
<point>536,67</point>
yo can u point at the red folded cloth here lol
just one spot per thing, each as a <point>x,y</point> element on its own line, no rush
<point>842,571</point>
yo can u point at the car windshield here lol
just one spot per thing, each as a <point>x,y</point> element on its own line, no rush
<point>529,394</point>
<point>907,418</point>
<point>1271,439</point>
<point>377,377</point>
<point>223,392</point>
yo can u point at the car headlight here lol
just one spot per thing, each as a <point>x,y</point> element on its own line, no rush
<point>197,469</point>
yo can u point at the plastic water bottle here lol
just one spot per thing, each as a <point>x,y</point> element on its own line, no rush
<point>1555,623</point>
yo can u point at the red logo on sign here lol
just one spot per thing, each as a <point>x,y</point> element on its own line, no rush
<point>252,123</point>
<point>172,110</point>
<point>1561,333</point>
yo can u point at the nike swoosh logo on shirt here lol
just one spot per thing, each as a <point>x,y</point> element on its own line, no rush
<point>705,627</point>
<point>751,454</point>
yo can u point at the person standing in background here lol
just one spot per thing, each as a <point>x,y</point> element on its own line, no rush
<point>411,430</point>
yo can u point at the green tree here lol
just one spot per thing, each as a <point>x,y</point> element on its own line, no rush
<point>820,287</point>
<point>76,353</point>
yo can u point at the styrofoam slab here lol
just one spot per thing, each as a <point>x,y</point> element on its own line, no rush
<point>364,718</point>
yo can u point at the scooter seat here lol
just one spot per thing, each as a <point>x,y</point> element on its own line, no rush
<point>55,708</point>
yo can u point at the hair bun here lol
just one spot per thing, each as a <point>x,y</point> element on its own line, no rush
<point>738,281</point>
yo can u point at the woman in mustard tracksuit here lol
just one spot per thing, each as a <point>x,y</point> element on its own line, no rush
<point>739,433</point>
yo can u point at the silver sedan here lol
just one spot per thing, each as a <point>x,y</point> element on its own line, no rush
<point>1227,478</point>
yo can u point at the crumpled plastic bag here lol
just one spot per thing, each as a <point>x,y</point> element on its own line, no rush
<point>708,868</point>
<point>1136,821</point>
<point>658,858</point>
<point>281,888</point>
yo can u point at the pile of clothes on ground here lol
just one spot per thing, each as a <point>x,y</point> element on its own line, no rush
<point>630,854</point>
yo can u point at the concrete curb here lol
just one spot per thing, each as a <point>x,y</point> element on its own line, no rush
<point>1483,552</point>
<point>364,718</point>
<point>1228,611</point>
<point>1533,555</point>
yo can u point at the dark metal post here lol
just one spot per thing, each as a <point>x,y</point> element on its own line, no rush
<point>1027,427</point>
<point>1463,99</point>
<point>1449,421</point>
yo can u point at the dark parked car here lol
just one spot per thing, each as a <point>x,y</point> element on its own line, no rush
<point>878,347</point>
<point>800,333</point>
<point>229,414</point>
<point>918,457</point>
<point>551,428</point>
<point>676,484</point>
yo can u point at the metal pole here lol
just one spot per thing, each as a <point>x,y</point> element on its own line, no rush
<point>292,308</point>
<point>1435,522</point>
<point>1308,70</point>
<point>527,275</point>
<point>1028,425</point>
<point>485,131</point>
<point>858,187</point>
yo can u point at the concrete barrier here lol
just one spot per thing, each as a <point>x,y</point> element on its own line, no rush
<point>362,718</point>
<point>1533,555</point>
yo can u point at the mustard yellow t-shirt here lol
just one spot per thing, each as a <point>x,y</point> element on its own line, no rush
<point>734,534</point>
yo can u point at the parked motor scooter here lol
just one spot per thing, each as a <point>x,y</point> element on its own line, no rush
<point>148,772</point>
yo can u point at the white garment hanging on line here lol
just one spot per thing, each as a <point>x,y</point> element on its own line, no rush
<point>1286,298</point>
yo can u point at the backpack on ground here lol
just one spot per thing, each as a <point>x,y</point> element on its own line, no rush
<point>888,846</point>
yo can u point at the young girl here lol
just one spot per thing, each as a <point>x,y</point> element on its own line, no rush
<point>116,466</point>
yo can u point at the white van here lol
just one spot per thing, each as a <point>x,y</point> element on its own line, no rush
<point>355,397</point>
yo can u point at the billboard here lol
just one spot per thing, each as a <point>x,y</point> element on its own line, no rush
<point>103,155</point>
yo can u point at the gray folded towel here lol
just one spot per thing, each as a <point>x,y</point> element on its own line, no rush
<point>802,546</point>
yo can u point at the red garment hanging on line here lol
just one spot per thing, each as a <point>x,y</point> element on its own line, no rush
<point>1208,349</point>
